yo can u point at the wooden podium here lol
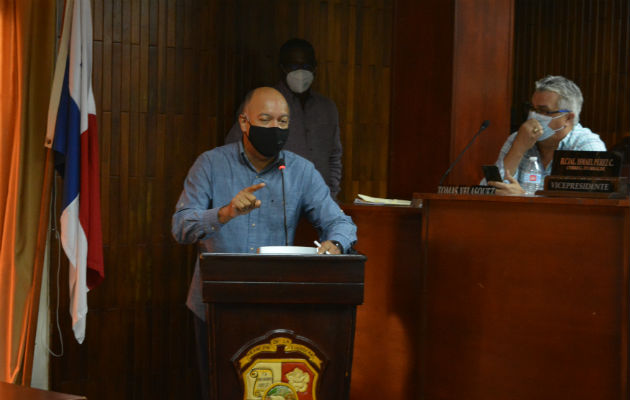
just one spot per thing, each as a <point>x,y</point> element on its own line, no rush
<point>281,325</point>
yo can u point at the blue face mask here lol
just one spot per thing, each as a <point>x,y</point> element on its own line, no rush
<point>545,120</point>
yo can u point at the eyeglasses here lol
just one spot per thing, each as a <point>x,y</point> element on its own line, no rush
<point>543,111</point>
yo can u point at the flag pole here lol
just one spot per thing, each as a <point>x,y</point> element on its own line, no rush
<point>40,252</point>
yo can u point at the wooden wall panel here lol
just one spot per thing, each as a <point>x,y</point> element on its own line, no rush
<point>482,79</point>
<point>586,41</point>
<point>451,71</point>
<point>421,101</point>
<point>153,102</point>
<point>168,77</point>
<point>352,42</point>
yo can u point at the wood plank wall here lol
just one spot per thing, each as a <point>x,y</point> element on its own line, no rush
<point>588,42</point>
<point>352,41</point>
<point>156,108</point>
<point>422,86</point>
<point>451,71</point>
<point>168,76</point>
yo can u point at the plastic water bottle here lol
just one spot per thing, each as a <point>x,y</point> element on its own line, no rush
<point>531,176</point>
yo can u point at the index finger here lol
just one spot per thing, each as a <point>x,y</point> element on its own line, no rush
<point>255,187</point>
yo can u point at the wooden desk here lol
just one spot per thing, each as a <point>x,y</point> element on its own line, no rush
<point>524,298</point>
<point>9,391</point>
<point>386,345</point>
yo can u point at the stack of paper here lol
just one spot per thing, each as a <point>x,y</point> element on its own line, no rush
<point>363,199</point>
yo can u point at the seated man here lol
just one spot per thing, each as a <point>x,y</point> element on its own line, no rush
<point>234,195</point>
<point>553,124</point>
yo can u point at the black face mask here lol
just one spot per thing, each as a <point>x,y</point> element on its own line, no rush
<point>267,141</point>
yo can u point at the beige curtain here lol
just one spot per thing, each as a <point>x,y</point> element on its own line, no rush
<point>26,64</point>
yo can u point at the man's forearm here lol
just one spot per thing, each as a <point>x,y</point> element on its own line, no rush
<point>512,159</point>
<point>225,214</point>
<point>191,225</point>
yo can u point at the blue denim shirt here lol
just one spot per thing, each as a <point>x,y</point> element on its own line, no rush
<point>219,174</point>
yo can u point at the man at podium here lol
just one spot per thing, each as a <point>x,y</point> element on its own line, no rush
<point>250,194</point>
<point>553,124</point>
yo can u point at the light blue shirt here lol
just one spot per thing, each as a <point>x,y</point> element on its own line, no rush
<point>219,174</point>
<point>580,138</point>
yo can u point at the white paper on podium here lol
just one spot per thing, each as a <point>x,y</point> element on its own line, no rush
<point>287,250</point>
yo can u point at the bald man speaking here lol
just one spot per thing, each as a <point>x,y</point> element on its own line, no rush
<point>232,201</point>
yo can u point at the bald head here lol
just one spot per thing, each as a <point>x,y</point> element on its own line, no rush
<point>265,99</point>
<point>264,107</point>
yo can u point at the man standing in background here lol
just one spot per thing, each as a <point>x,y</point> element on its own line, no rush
<point>314,129</point>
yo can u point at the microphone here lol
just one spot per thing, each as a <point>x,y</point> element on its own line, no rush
<point>483,127</point>
<point>281,167</point>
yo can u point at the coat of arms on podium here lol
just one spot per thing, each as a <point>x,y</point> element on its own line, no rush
<point>279,366</point>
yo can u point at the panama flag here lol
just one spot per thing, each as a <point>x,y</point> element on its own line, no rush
<point>72,134</point>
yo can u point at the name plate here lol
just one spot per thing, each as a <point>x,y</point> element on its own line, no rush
<point>476,189</point>
<point>586,163</point>
<point>590,185</point>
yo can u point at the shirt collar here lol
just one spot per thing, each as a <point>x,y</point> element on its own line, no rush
<point>565,140</point>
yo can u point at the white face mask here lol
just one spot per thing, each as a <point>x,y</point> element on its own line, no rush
<point>545,120</point>
<point>300,80</point>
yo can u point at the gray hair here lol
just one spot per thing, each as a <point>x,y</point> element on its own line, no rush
<point>570,94</point>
